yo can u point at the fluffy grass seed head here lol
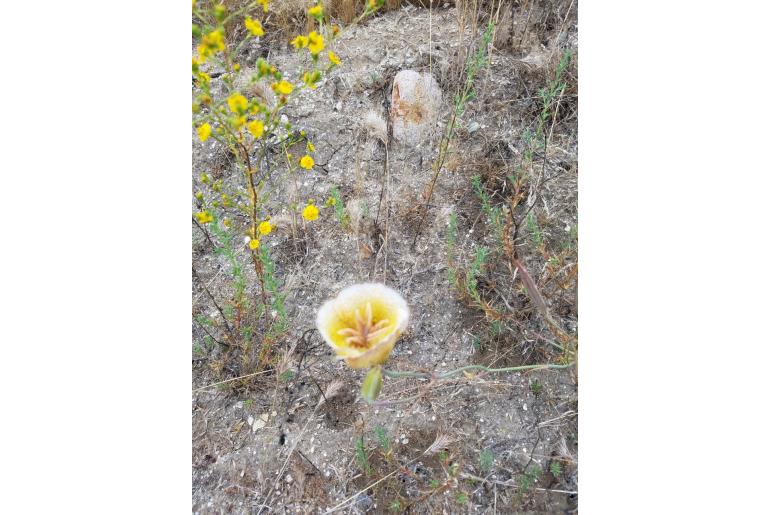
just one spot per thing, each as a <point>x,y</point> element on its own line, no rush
<point>310,212</point>
<point>254,26</point>
<point>204,131</point>
<point>306,162</point>
<point>363,322</point>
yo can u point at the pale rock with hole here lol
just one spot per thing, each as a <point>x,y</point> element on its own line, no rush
<point>415,105</point>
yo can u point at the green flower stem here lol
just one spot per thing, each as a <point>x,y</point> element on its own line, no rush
<point>445,375</point>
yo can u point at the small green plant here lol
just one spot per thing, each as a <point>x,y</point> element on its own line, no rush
<point>383,440</point>
<point>465,94</point>
<point>335,201</point>
<point>471,281</point>
<point>434,483</point>
<point>362,458</point>
<point>529,478</point>
<point>536,387</point>
<point>248,404</point>
<point>494,215</point>
<point>486,460</point>
<point>395,506</point>
<point>286,376</point>
<point>534,230</point>
<point>461,498</point>
<point>556,469</point>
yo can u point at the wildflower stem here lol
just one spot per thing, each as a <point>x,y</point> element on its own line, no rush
<point>445,375</point>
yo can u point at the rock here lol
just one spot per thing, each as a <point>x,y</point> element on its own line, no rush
<point>415,104</point>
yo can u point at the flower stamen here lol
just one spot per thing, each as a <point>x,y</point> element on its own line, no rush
<point>366,331</point>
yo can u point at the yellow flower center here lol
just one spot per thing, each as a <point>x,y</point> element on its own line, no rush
<point>366,329</point>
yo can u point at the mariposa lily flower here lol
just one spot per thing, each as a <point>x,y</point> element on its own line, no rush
<point>363,322</point>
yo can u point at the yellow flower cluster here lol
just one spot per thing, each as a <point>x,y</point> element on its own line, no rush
<point>211,43</point>
<point>316,11</point>
<point>333,58</point>
<point>237,103</point>
<point>204,131</point>
<point>256,128</point>
<point>306,162</point>
<point>263,3</point>
<point>310,212</point>
<point>264,228</point>
<point>313,42</point>
<point>311,78</point>
<point>254,26</point>
<point>283,87</point>
<point>204,217</point>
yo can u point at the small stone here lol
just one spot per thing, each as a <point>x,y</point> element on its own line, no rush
<point>473,127</point>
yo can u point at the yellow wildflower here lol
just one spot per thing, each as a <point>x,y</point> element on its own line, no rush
<point>226,222</point>
<point>263,3</point>
<point>331,202</point>
<point>310,147</point>
<point>237,67</point>
<point>237,122</point>
<point>315,42</point>
<point>204,131</point>
<point>316,11</point>
<point>254,244</point>
<point>204,217</point>
<point>256,128</point>
<point>237,103</point>
<point>334,59</point>
<point>199,196</point>
<point>210,44</point>
<point>299,42</point>
<point>204,78</point>
<point>254,26</point>
<point>363,323</point>
<point>310,78</point>
<point>306,162</point>
<point>283,87</point>
<point>310,212</point>
<point>265,228</point>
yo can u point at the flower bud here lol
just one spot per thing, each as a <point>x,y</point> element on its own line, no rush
<point>196,31</point>
<point>219,12</point>
<point>370,388</point>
